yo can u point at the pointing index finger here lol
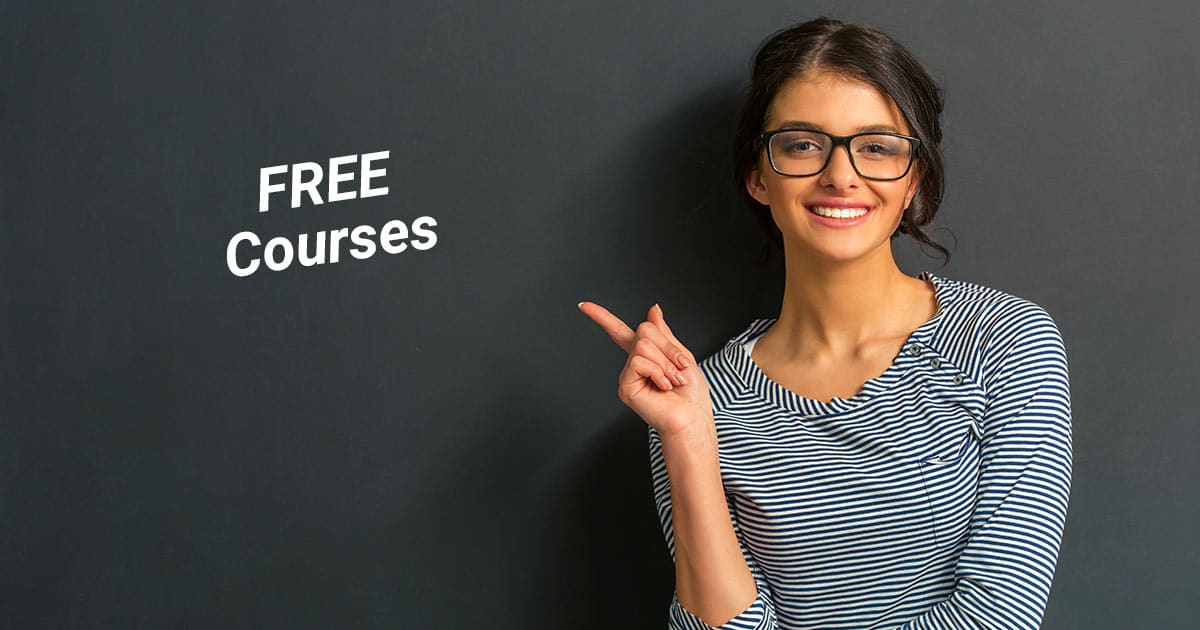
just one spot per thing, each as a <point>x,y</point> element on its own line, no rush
<point>621,334</point>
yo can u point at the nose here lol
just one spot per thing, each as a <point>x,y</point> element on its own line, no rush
<point>839,173</point>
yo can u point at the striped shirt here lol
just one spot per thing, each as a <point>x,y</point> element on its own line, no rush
<point>933,498</point>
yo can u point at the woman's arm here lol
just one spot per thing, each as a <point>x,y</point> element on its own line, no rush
<point>713,582</point>
<point>1003,575</point>
<point>717,582</point>
<point>663,384</point>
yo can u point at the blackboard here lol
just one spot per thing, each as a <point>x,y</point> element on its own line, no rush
<point>429,437</point>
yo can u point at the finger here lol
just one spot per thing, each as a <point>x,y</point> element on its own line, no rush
<point>621,334</point>
<point>650,349</point>
<point>664,352</point>
<point>639,367</point>
<point>681,357</point>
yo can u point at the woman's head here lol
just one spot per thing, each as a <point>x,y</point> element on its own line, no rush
<point>860,53</point>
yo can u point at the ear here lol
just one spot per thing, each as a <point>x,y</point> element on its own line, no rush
<point>756,187</point>
<point>912,186</point>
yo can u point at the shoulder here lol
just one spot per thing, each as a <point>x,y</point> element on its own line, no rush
<point>992,320</point>
<point>1010,343</point>
<point>721,359</point>
<point>729,371</point>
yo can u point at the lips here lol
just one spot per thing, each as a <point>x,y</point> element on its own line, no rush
<point>837,213</point>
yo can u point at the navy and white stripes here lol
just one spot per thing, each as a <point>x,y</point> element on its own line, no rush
<point>934,498</point>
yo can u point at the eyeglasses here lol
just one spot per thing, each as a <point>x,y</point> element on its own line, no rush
<point>803,153</point>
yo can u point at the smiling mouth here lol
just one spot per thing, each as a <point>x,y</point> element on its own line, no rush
<point>838,213</point>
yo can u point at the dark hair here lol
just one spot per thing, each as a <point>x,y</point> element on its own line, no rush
<point>859,52</point>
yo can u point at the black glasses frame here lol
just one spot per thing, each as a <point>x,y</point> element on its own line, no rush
<point>841,141</point>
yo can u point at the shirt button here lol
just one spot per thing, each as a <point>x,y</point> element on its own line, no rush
<point>913,349</point>
<point>958,379</point>
<point>934,363</point>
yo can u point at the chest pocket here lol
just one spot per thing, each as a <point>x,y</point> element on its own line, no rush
<point>951,478</point>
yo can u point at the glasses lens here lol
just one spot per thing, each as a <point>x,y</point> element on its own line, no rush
<point>876,156</point>
<point>881,156</point>
<point>799,153</point>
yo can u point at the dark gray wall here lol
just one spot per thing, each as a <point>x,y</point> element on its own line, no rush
<point>432,438</point>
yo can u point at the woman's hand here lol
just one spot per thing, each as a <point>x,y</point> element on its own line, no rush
<point>660,381</point>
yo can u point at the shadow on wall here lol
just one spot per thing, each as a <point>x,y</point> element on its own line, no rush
<point>678,236</point>
<point>561,518</point>
<point>671,228</point>
<point>606,565</point>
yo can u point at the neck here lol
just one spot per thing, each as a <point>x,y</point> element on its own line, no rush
<point>837,306</point>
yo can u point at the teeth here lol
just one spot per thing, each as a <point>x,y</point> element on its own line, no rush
<point>839,213</point>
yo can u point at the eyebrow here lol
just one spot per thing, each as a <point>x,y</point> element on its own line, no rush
<point>807,126</point>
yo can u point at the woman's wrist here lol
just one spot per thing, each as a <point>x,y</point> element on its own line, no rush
<point>691,443</point>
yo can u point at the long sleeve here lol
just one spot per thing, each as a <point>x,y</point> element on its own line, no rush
<point>1003,576</point>
<point>760,615</point>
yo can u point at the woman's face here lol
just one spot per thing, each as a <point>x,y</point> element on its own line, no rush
<point>838,106</point>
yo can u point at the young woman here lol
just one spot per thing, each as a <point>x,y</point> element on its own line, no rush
<point>890,451</point>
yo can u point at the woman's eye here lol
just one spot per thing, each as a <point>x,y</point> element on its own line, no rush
<point>801,146</point>
<point>877,150</point>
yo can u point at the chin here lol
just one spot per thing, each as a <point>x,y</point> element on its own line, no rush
<point>840,253</point>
